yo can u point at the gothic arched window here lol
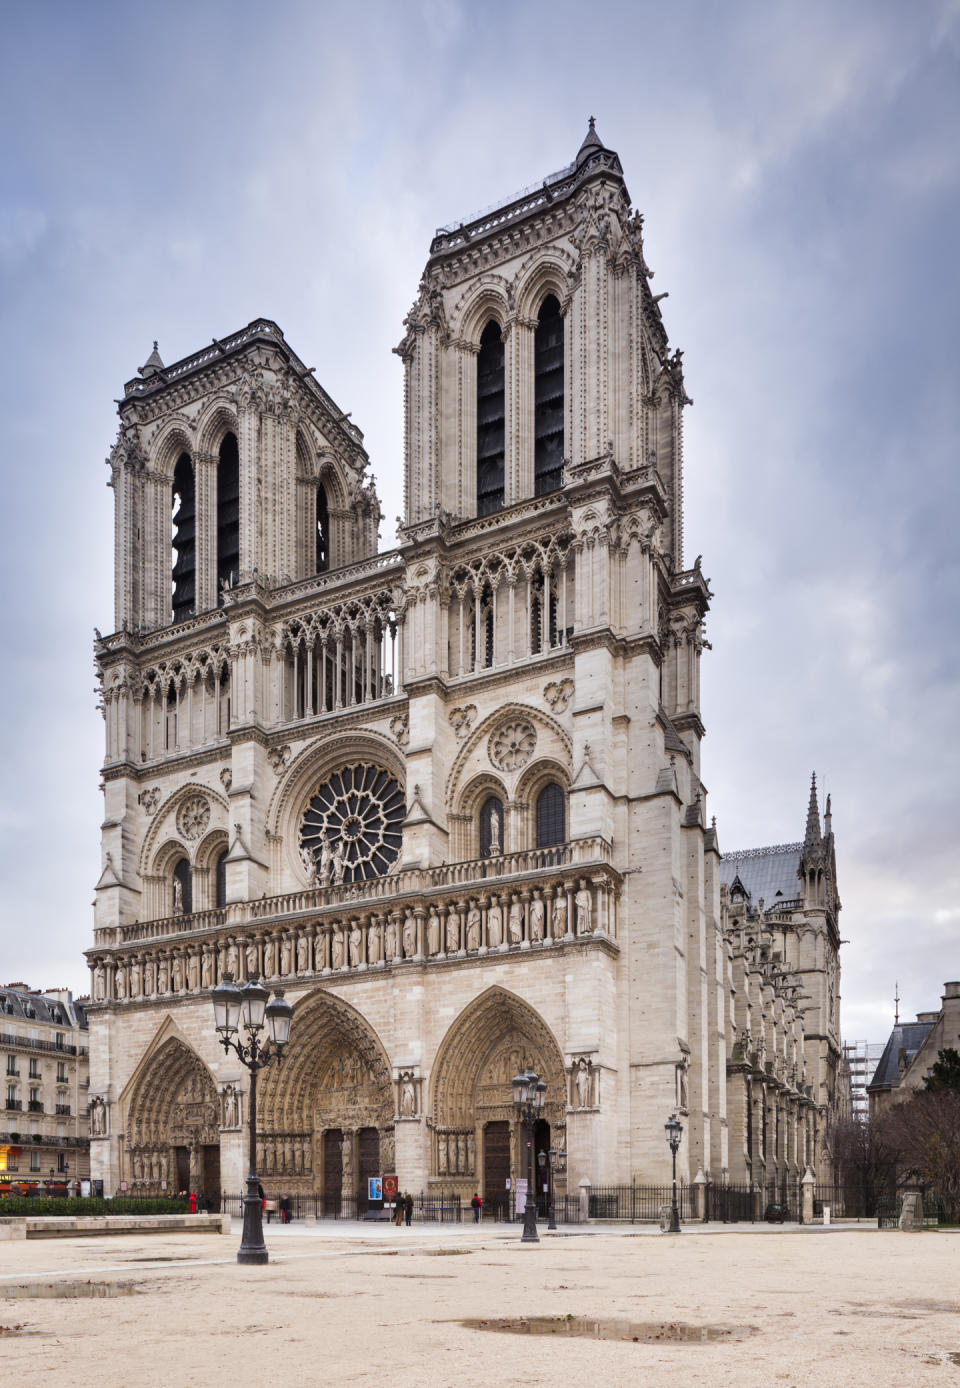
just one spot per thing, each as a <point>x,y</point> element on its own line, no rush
<point>548,398</point>
<point>490,421</point>
<point>228,514</point>
<point>551,816</point>
<point>182,879</point>
<point>491,827</point>
<point>220,873</point>
<point>184,515</point>
<point>323,531</point>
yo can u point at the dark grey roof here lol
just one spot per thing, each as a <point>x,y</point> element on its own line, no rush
<point>26,1006</point>
<point>770,873</point>
<point>672,741</point>
<point>906,1036</point>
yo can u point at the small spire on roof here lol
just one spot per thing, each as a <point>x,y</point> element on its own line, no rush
<point>813,834</point>
<point>591,143</point>
<point>153,363</point>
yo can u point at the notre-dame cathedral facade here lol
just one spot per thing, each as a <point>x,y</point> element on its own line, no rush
<point>447,796</point>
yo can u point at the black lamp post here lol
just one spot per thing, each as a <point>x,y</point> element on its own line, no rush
<point>674,1131</point>
<point>248,1007</point>
<point>529,1092</point>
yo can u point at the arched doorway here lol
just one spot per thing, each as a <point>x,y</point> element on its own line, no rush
<point>326,1116</point>
<point>173,1126</point>
<point>478,1143</point>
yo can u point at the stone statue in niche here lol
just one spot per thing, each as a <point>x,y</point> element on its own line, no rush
<point>162,975</point>
<point>494,850</point>
<point>99,983</point>
<point>120,984</point>
<point>473,926</point>
<point>135,979</point>
<point>177,973</point>
<point>683,1073</point>
<point>98,1118</point>
<point>373,943</point>
<point>356,940</point>
<point>303,953</point>
<point>286,955</point>
<point>193,971</point>
<point>336,949</point>
<point>326,860</point>
<point>461,1152</point>
<point>560,915</point>
<point>232,958</point>
<point>206,970</point>
<point>408,1095</point>
<point>453,931</point>
<point>409,936</point>
<point>442,1155</point>
<point>515,922</point>
<point>250,959</point>
<point>390,940</point>
<point>229,1106</point>
<point>583,901</point>
<point>494,924</point>
<point>177,897</point>
<point>536,917</point>
<point>583,1080</point>
<point>269,958</point>
<point>149,978</point>
<point>346,1160</point>
<point>433,931</point>
<point>337,872</point>
<point>309,865</point>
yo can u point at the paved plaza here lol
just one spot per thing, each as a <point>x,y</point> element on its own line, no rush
<point>355,1304</point>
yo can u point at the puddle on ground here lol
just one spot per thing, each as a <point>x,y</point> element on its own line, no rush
<point>935,1356</point>
<point>594,1328</point>
<point>6,1331</point>
<point>447,1252</point>
<point>163,1258</point>
<point>67,1291</point>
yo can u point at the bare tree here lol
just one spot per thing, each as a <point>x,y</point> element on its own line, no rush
<point>866,1158</point>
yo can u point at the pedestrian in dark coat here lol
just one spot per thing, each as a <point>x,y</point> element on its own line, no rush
<point>408,1207</point>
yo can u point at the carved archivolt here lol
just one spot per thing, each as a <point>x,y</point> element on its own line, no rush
<point>496,1031</point>
<point>470,761</point>
<point>174,1101</point>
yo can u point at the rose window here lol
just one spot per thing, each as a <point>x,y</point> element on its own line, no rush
<point>511,746</point>
<point>194,816</point>
<point>354,819</point>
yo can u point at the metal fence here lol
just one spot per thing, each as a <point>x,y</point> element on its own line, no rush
<point>635,1204</point>
<point>730,1204</point>
<point>427,1209</point>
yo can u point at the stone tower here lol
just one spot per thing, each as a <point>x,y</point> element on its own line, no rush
<point>447,796</point>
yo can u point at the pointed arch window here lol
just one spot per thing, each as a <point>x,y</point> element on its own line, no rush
<point>490,421</point>
<point>491,827</point>
<point>220,884</point>
<point>551,816</point>
<point>182,899</point>
<point>548,398</point>
<point>184,522</point>
<point>228,515</point>
<point>323,530</point>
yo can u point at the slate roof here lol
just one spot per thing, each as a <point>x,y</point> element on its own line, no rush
<point>770,873</point>
<point>907,1036</point>
<point>20,1003</point>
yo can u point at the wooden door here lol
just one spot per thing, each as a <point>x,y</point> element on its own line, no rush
<point>183,1169</point>
<point>496,1165</point>
<point>332,1170</point>
<point>211,1175</point>
<point>368,1149</point>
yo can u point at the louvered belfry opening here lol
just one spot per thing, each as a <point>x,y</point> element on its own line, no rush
<point>548,398</point>
<point>184,572</point>
<point>323,531</point>
<point>551,816</point>
<point>228,514</point>
<point>490,421</point>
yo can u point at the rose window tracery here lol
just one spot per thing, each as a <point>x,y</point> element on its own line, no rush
<point>194,816</point>
<point>351,827</point>
<point>512,745</point>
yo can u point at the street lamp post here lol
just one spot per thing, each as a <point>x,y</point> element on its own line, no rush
<point>248,1007</point>
<point>529,1092</point>
<point>674,1131</point>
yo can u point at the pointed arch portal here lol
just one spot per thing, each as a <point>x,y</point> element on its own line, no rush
<point>478,1143</point>
<point>326,1115</point>
<point>173,1125</point>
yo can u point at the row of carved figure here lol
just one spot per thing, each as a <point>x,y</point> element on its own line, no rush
<point>475,925</point>
<point>456,1154</point>
<point>289,1155</point>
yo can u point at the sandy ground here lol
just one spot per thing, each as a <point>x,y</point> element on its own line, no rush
<point>348,1304</point>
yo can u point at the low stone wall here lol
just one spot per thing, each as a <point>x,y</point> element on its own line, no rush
<point>68,1227</point>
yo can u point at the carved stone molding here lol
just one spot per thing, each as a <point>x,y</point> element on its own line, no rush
<point>193,816</point>
<point>462,719</point>
<point>558,694</point>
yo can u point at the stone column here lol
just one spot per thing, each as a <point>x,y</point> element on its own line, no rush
<point>807,1186</point>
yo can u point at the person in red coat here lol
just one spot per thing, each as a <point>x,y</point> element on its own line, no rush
<point>193,1202</point>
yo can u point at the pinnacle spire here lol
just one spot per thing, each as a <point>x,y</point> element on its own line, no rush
<point>591,143</point>
<point>153,363</point>
<point>813,835</point>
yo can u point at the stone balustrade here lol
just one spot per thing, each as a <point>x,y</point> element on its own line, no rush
<point>538,900</point>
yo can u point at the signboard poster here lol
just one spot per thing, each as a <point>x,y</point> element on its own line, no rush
<point>123,1185</point>
<point>390,1184</point>
<point>85,1187</point>
<point>521,1192</point>
<point>374,1187</point>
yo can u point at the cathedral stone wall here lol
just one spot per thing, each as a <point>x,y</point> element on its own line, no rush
<point>447,797</point>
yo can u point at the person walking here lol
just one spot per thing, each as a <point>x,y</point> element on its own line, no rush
<point>476,1204</point>
<point>193,1202</point>
<point>408,1208</point>
<point>398,1210</point>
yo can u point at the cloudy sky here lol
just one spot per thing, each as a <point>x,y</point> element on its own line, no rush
<point>172,172</point>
